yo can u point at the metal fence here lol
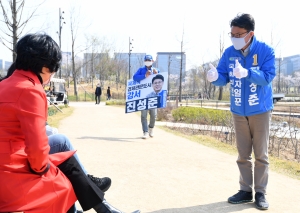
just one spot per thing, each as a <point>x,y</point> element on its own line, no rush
<point>284,131</point>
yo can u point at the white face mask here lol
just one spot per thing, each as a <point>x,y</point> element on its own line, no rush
<point>148,63</point>
<point>239,43</point>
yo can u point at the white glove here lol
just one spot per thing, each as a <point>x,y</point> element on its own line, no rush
<point>239,71</point>
<point>212,74</point>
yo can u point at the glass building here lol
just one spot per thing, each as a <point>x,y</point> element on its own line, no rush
<point>171,62</point>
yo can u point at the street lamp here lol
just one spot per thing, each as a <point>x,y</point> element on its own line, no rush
<point>129,53</point>
<point>59,33</point>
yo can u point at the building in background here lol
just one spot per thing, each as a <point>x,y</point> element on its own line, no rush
<point>287,65</point>
<point>7,65</point>
<point>171,62</point>
<point>136,61</point>
<point>66,64</point>
<point>67,67</point>
<point>4,65</point>
<point>95,65</point>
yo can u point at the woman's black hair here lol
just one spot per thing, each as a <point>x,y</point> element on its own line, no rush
<point>35,51</point>
<point>245,21</point>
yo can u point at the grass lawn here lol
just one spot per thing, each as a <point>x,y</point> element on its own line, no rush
<point>55,119</point>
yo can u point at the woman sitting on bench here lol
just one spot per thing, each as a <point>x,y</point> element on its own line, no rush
<point>32,180</point>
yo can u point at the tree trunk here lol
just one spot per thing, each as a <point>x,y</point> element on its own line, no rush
<point>180,78</point>
<point>220,93</point>
<point>15,29</point>
<point>74,74</point>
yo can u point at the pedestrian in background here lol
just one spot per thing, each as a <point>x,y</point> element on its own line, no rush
<point>98,93</point>
<point>108,93</point>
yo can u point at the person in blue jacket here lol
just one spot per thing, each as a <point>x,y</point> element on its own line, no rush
<point>249,67</point>
<point>140,74</point>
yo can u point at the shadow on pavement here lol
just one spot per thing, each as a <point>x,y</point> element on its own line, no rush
<point>220,207</point>
<point>111,139</point>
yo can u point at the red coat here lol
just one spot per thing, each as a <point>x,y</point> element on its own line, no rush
<point>23,142</point>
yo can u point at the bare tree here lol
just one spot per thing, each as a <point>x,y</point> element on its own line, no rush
<point>140,60</point>
<point>207,85</point>
<point>221,50</point>
<point>180,75</point>
<point>296,81</point>
<point>92,56</point>
<point>209,88</point>
<point>169,63</point>
<point>119,65</point>
<point>276,44</point>
<point>12,17</point>
<point>74,25</point>
<point>65,68</point>
<point>103,66</point>
<point>193,80</point>
<point>181,58</point>
<point>288,82</point>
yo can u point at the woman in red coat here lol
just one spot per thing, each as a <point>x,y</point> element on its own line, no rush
<point>33,181</point>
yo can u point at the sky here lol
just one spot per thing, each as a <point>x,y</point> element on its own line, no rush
<point>161,25</point>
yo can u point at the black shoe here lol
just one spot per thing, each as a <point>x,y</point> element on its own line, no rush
<point>241,197</point>
<point>260,201</point>
<point>102,183</point>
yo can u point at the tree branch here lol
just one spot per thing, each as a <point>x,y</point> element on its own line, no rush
<point>6,19</point>
<point>6,45</point>
<point>6,33</point>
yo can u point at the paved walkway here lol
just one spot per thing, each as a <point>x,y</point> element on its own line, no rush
<point>164,174</point>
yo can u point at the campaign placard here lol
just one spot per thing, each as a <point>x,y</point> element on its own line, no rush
<point>150,93</point>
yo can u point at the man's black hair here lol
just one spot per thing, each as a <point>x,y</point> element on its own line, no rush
<point>245,21</point>
<point>158,77</point>
<point>35,51</point>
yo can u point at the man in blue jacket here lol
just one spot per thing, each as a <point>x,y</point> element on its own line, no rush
<point>142,73</point>
<point>249,67</point>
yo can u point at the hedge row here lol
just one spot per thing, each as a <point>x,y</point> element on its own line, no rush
<point>197,115</point>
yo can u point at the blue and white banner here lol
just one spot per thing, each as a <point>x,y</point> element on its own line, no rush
<point>150,93</point>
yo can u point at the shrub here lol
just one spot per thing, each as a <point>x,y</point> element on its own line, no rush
<point>52,109</point>
<point>197,115</point>
<point>164,114</point>
<point>116,102</point>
